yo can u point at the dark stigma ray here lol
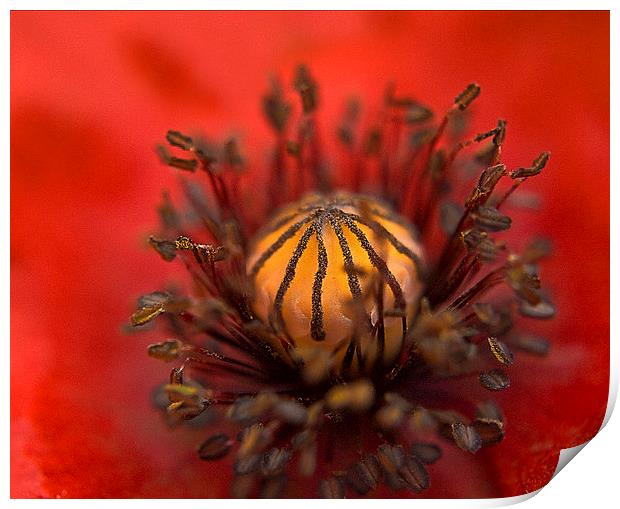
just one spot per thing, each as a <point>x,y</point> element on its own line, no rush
<point>349,267</point>
<point>394,219</point>
<point>316,328</point>
<point>362,316</point>
<point>378,263</point>
<point>268,253</point>
<point>380,230</point>
<point>289,274</point>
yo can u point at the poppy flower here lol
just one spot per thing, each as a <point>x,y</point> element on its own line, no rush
<point>93,92</point>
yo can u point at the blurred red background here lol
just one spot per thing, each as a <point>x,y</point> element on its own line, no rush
<point>91,94</point>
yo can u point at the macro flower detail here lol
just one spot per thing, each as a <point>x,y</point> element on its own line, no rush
<point>349,247</point>
<point>384,271</point>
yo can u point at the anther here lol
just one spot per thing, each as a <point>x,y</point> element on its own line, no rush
<point>465,98</point>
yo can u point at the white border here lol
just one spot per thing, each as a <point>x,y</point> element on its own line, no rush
<point>591,480</point>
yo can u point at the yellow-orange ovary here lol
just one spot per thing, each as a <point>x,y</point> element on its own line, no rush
<point>338,312</point>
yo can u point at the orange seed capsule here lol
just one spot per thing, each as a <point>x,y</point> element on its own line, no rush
<point>339,273</point>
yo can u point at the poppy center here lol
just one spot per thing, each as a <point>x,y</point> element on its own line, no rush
<point>337,277</point>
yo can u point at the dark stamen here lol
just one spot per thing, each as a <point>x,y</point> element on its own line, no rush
<point>485,284</point>
<point>348,356</point>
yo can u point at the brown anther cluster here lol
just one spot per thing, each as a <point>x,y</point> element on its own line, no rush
<point>310,329</point>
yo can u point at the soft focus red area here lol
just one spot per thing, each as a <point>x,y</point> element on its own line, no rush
<point>92,92</point>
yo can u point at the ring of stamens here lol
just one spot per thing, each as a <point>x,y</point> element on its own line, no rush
<point>288,408</point>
